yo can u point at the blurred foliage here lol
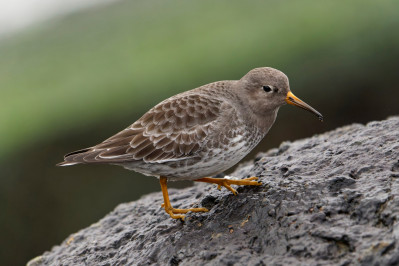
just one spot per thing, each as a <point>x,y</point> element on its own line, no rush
<point>75,81</point>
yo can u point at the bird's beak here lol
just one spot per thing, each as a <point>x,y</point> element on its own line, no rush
<point>292,99</point>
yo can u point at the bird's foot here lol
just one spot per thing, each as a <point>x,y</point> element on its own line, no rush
<point>228,182</point>
<point>176,213</point>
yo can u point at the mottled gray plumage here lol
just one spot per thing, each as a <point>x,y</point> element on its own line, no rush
<point>197,133</point>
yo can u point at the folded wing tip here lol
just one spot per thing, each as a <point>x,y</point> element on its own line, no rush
<point>67,163</point>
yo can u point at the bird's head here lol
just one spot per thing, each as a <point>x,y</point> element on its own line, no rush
<point>267,89</point>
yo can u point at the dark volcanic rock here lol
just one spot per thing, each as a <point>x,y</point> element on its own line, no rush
<point>329,199</point>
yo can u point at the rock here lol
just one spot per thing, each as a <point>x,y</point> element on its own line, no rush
<point>329,199</point>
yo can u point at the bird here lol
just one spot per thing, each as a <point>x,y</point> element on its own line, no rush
<point>198,133</point>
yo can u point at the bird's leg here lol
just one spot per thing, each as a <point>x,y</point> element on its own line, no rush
<point>228,182</point>
<point>168,208</point>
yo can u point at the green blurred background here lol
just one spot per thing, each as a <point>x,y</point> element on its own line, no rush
<point>71,82</point>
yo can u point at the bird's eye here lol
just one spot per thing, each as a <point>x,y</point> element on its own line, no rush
<point>267,88</point>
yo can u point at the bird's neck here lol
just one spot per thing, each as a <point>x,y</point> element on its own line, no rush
<point>261,121</point>
<point>265,121</point>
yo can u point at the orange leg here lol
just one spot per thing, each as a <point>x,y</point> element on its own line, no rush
<point>168,208</point>
<point>227,182</point>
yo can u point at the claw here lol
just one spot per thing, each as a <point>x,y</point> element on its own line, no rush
<point>176,213</point>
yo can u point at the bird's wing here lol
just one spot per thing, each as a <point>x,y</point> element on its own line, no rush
<point>172,130</point>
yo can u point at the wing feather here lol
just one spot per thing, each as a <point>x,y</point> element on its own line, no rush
<point>173,130</point>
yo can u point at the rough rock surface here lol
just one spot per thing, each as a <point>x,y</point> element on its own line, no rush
<point>329,199</point>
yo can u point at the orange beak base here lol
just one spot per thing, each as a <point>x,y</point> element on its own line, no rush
<point>293,100</point>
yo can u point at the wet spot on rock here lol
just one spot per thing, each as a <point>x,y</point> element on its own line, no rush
<point>174,261</point>
<point>318,217</point>
<point>206,255</point>
<point>395,167</point>
<point>209,201</point>
<point>339,183</point>
<point>284,169</point>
